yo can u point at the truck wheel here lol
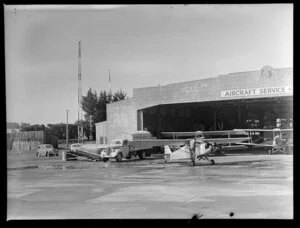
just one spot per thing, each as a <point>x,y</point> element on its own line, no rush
<point>142,155</point>
<point>119,157</point>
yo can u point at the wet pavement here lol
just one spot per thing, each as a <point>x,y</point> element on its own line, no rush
<point>237,186</point>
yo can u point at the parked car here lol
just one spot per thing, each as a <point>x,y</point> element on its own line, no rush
<point>75,146</point>
<point>46,150</point>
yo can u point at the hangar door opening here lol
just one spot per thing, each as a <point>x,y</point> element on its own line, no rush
<point>265,113</point>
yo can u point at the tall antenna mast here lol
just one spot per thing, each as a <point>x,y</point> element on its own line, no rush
<point>109,79</point>
<point>80,129</point>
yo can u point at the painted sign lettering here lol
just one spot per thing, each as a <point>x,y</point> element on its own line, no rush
<point>256,91</point>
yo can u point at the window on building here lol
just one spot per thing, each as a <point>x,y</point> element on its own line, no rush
<point>284,123</point>
<point>269,120</point>
<point>252,121</point>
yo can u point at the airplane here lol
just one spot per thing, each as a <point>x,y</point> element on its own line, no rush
<point>276,141</point>
<point>186,153</point>
<point>222,139</point>
<point>203,146</point>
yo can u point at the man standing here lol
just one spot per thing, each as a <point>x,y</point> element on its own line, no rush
<point>198,149</point>
<point>192,146</point>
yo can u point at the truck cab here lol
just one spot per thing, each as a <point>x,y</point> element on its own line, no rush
<point>117,149</point>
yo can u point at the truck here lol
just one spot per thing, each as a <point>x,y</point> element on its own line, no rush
<point>140,144</point>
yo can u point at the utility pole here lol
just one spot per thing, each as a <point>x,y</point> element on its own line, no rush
<point>91,137</point>
<point>67,131</point>
<point>80,127</point>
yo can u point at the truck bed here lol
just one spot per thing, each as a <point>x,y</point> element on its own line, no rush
<point>145,144</point>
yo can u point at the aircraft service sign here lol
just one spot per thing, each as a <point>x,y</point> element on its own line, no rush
<point>257,91</point>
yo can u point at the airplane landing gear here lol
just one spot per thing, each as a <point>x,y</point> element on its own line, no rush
<point>212,162</point>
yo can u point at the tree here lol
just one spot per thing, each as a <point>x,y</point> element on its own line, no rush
<point>35,127</point>
<point>58,130</point>
<point>73,131</point>
<point>89,102</point>
<point>86,127</point>
<point>119,95</point>
<point>94,107</point>
<point>23,125</point>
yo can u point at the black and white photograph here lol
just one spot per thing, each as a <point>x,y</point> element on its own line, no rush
<point>173,111</point>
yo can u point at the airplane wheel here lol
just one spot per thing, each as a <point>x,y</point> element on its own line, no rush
<point>105,159</point>
<point>212,162</point>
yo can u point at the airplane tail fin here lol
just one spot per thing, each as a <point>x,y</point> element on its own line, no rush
<point>167,152</point>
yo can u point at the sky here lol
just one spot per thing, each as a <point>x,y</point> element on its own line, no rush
<point>142,45</point>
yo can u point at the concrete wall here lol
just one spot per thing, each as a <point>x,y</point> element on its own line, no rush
<point>122,115</point>
<point>263,79</point>
<point>121,118</point>
<point>212,89</point>
<point>101,132</point>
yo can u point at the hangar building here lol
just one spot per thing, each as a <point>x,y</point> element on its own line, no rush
<point>254,99</point>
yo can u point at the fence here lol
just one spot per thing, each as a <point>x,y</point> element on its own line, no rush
<point>29,140</point>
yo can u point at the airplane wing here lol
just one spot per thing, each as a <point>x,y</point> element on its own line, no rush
<point>289,143</point>
<point>266,138</point>
<point>181,134</point>
<point>255,144</point>
<point>161,142</point>
<point>217,137</point>
<point>264,130</point>
<point>226,140</point>
<point>214,134</point>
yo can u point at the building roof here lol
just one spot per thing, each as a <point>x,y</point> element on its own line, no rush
<point>213,89</point>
